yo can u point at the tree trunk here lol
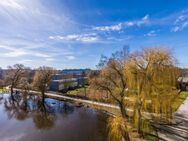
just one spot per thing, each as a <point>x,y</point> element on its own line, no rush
<point>11,92</point>
<point>85,90</point>
<point>123,110</point>
<point>25,101</point>
<point>125,136</point>
<point>125,116</point>
<point>43,97</point>
<point>139,109</point>
<point>139,120</point>
<point>107,95</point>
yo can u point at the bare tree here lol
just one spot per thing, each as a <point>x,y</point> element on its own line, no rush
<point>14,75</point>
<point>1,73</point>
<point>1,83</point>
<point>42,78</point>
<point>25,85</point>
<point>112,79</point>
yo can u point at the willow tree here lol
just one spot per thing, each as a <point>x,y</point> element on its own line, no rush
<point>42,78</point>
<point>112,79</point>
<point>151,76</point>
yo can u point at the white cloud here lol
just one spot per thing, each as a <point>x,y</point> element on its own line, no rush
<point>175,29</point>
<point>146,17</point>
<point>11,4</point>
<point>70,57</point>
<point>20,52</point>
<point>144,20</point>
<point>12,52</point>
<point>16,53</point>
<point>180,27</point>
<point>119,26</point>
<point>40,55</point>
<point>151,33</point>
<point>32,15</point>
<point>84,38</point>
<point>185,24</point>
<point>25,61</point>
<point>6,47</point>
<point>181,22</point>
<point>109,28</point>
<point>50,59</point>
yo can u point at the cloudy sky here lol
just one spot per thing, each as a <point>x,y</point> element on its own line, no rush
<point>74,33</point>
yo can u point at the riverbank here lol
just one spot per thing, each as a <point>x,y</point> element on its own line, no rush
<point>109,108</point>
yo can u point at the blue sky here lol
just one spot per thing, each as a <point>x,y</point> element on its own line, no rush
<point>74,33</point>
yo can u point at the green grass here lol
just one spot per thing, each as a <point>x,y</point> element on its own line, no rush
<point>76,91</point>
<point>2,90</point>
<point>179,100</point>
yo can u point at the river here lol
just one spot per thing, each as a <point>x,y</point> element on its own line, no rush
<point>27,119</point>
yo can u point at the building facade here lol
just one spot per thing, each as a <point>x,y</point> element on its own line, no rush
<point>69,79</point>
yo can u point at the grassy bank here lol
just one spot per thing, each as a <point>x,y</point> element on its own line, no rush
<point>3,90</point>
<point>77,91</point>
<point>179,100</point>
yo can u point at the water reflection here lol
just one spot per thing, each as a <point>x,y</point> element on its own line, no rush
<point>56,120</point>
<point>43,114</point>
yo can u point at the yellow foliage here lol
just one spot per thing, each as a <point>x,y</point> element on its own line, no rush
<point>117,129</point>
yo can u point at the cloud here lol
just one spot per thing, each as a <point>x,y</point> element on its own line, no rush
<point>180,27</point>
<point>151,33</point>
<point>175,29</point>
<point>84,38</point>
<point>32,16</point>
<point>25,61</point>
<point>120,26</point>
<point>50,59</point>
<point>181,18</point>
<point>70,57</point>
<point>14,52</point>
<point>109,28</point>
<point>40,55</point>
<point>11,4</point>
<point>181,22</point>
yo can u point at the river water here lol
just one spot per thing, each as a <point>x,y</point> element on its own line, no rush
<point>27,119</point>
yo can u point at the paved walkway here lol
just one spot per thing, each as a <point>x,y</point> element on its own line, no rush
<point>183,109</point>
<point>180,131</point>
<point>53,95</point>
<point>110,108</point>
